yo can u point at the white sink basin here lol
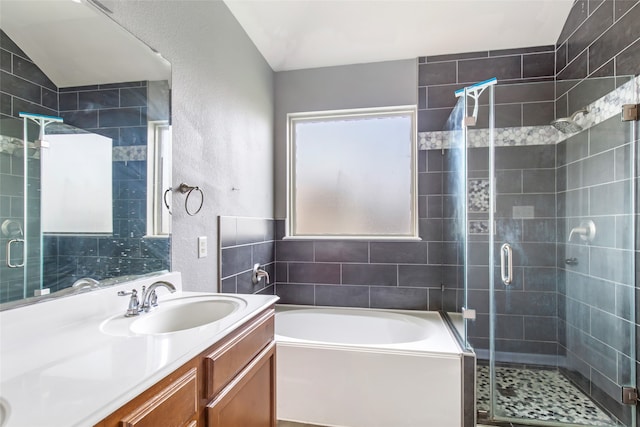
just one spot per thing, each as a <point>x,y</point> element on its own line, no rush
<point>175,315</point>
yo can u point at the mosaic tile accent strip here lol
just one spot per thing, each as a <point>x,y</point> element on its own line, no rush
<point>478,227</point>
<point>129,153</point>
<point>478,195</point>
<point>609,105</point>
<point>599,111</point>
<point>504,137</point>
<point>538,394</point>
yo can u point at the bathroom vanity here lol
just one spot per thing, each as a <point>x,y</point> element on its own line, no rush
<point>232,383</point>
<point>78,361</point>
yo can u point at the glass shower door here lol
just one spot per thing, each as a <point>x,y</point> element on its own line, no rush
<point>562,278</point>
<point>20,240</point>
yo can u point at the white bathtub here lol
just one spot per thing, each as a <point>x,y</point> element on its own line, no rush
<point>367,368</point>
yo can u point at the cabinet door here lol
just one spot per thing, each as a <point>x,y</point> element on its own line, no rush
<point>250,399</point>
<point>175,405</point>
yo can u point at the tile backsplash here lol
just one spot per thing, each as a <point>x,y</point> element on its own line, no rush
<point>243,242</point>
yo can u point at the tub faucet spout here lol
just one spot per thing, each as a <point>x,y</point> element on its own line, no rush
<point>258,274</point>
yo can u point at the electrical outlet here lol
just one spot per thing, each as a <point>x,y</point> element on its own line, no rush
<point>202,246</point>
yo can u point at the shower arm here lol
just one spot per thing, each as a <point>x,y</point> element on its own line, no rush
<point>582,111</point>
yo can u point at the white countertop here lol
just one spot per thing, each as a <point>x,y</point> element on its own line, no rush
<point>58,368</point>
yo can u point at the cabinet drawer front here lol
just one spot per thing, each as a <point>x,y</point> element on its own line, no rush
<point>249,401</point>
<point>227,361</point>
<point>174,405</point>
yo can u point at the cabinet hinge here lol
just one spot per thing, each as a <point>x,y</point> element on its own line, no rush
<point>629,395</point>
<point>630,112</point>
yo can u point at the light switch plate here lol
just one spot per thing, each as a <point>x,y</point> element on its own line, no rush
<point>202,247</point>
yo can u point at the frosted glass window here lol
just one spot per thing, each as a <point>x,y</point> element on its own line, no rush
<point>76,184</point>
<point>159,173</point>
<point>352,174</point>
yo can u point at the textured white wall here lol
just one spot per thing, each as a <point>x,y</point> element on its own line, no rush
<point>378,84</point>
<point>222,112</point>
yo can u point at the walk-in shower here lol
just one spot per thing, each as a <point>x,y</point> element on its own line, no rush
<point>554,327</point>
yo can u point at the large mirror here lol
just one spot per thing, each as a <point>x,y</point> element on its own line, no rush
<point>85,150</point>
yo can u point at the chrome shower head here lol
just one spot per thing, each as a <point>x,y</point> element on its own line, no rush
<point>568,124</point>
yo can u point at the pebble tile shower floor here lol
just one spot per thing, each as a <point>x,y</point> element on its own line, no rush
<point>539,394</point>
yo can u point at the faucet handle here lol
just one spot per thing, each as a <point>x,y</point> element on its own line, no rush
<point>134,303</point>
<point>153,299</point>
<point>258,274</point>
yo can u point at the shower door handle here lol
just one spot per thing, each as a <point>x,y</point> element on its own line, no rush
<point>506,264</point>
<point>9,245</point>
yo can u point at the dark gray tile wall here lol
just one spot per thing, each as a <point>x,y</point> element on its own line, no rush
<point>243,242</point>
<point>23,86</point>
<point>600,39</point>
<point>516,105</point>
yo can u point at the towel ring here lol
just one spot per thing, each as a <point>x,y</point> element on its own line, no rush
<point>164,198</point>
<point>184,188</point>
<point>188,189</point>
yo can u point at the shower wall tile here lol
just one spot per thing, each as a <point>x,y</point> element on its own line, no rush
<point>599,20</point>
<point>615,39</point>
<point>441,75</point>
<point>538,113</point>
<point>538,181</point>
<point>539,65</point>
<point>628,61</point>
<point>437,73</point>
<point>503,68</point>
<point>577,16</point>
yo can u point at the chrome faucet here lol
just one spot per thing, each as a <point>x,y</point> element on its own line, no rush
<point>85,283</point>
<point>148,300</point>
<point>258,274</point>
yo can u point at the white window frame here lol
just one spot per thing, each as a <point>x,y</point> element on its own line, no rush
<point>158,179</point>
<point>293,118</point>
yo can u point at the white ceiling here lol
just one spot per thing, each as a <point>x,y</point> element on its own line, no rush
<point>297,34</point>
<point>77,45</point>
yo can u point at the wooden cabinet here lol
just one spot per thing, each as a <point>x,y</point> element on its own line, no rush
<point>249,400</point>
<point>231,384</point>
